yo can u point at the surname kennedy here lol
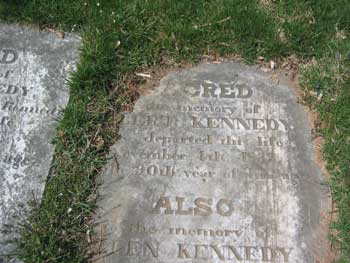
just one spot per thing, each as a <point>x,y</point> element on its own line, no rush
<point>206,122</point>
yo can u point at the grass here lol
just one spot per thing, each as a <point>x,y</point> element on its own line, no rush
<point>327,83</point>
<point>121,37</point>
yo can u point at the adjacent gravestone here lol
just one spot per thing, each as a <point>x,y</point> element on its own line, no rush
<point>34,67</point>
<point>216,165</point>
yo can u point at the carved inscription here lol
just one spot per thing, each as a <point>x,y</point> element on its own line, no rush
<point>16,161</point>
<point>10,101</point>
<point>8,56</point>
<point>202,207</point>
<point>231,252</point>
<point>34,67</point>
<point>204,251</point>
<point>209,170</point>
<point>229,90</point>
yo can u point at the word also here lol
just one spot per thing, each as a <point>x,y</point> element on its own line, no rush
<point>8,56</point>
<point>202,207</point>
<point>231,252</point>
<point>210,89</point>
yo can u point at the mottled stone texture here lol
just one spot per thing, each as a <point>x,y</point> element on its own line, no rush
<point>215,165</point>
<point>34,67</point>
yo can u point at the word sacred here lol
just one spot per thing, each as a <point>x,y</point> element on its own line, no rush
<point>209,89</point>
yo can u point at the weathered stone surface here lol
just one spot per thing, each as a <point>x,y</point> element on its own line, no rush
<point>34,67</point>
<point>215,165</point>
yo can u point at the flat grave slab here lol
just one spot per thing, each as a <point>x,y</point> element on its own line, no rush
<point>34,67</point>
<point>214,165</point>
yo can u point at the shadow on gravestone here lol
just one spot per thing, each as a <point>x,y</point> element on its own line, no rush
<point>215,165</point>
<point>34,67</point>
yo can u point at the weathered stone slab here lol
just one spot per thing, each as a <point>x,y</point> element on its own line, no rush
<point>215,165</point>
<point>34,67</point>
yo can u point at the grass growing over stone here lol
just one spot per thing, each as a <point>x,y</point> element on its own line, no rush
<point>327,83</point>
<point>123,37</point>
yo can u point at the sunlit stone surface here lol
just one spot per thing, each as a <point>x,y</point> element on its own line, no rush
<point>215,165</point>
<point>34,67</point>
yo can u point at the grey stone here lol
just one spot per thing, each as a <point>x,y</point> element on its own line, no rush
<point>215,165</point>
<point>34,67</point>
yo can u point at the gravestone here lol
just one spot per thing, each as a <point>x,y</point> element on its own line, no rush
<point>34,67</point>
<point>215,165</point>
